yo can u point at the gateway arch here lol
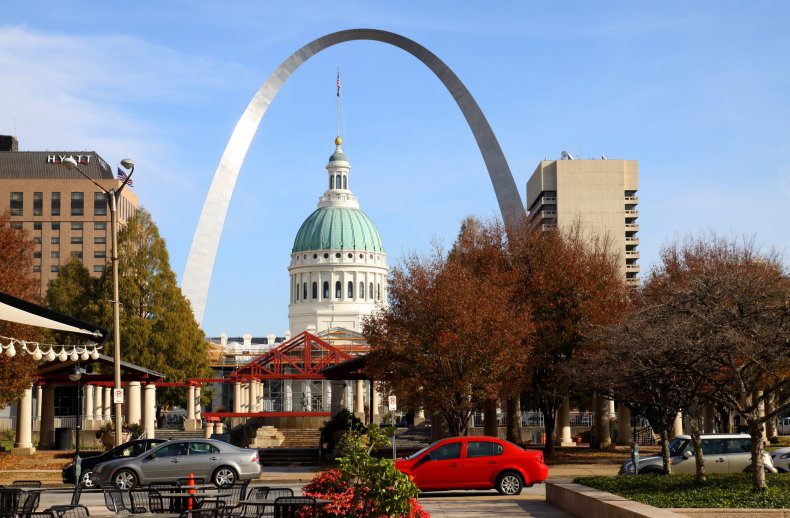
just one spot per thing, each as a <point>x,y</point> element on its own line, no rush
<point>200,262</point>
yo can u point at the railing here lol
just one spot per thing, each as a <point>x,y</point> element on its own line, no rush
<point>632,226</point>
<point>632,199</point>
<point>530,418</point>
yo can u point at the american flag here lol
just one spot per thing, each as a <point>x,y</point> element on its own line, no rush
<point>122,177</point>
<point>338,83</point>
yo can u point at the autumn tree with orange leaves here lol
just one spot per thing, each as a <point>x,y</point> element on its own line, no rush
<point>16,279</point>
<point>453,336</point>
<point>573,286</point>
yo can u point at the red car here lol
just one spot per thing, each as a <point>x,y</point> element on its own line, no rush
<point>474,463</point>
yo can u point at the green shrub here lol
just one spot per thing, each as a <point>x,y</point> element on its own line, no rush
<point>683,491</point>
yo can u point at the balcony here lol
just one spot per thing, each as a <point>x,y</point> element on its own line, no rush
<point>548,214</point>
<point>632,213</point>
<point>632,254</point>
<point>632,281</point>
<point>632,199</point>
<point>546,227</point>
<point>632,240</point>
<point>633,227</point>
<point>632,267</point>
<point>548,199</point>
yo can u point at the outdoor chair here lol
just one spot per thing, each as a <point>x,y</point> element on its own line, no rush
<point>294,506</point>
<point>69,511</point>
<point>238,491</point>
<point>26,483</point>
<point>257,493</point>
<point>157,502</point>
<point>76,494</point>
<point>28,502</point>
<point>200,513</point>
<point>117,500</point>
<point>9,502</point>
<point>146,500</point>
<point>46,513</point>
<point>277,492</point>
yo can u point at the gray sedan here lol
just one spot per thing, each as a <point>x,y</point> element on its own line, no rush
<point>215,461</point>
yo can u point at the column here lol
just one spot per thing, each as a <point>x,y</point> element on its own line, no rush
<point>677,426</point>
<point>348,402</point>
<point>563,425</point>
<point>134,405</point>
<point>24,424</point>
<point>208,430</point>
<point>307,394</point>
<point>338,391</point>
<point>236,402</point>
<point>219,427</point>
<point>89,417</point>
<point>149,411</point>
<point>39,397</point>
<point>46,439</point>
<point>288,396</point>
<point>189,422</point>
<point>376,403</point>
<point>359,399</point>
<point>98,405</point>
<point>198,408</point>
<point>108,403</point>
<point>708,419</point>
<point>624,430</point>
<point>326,399</point>
<point>419,417</point>
<point>251,396</point>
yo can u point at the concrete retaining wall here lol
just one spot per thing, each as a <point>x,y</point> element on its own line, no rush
<point>586,502</point>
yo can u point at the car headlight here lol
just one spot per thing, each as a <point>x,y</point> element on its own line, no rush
<point>627,468</point>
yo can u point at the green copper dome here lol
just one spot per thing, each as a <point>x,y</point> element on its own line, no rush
<point>338,156</point>
<point>338,228</point>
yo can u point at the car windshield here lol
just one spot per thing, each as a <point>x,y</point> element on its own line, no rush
<point>678,446</point>
<point>420,452</point>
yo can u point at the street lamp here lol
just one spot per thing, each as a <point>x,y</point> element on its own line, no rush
<point>75,376</point>
<point>113,195</point>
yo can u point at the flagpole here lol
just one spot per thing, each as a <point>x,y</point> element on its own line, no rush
<point>338,101</point>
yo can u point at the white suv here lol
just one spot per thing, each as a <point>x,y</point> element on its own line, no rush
<point>723,453</point>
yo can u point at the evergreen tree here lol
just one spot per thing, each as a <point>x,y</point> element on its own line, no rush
<point>158,329</point>
<point>75,293</point>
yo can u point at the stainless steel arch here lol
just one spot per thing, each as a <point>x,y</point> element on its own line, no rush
<point>200,262</point>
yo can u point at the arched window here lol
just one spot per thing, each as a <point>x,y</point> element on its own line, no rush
<point>296,289</point>
<point>345,182</point>
<point>338,290</point>
<point>378,291</point>
<point>362,290</point>
<point>325,291</point>
<point>371,291</point>
<point>331,180</point>
<point>315,290</point>
<point>350,290</point>
<point>304,291</point>
<point>337,182</point>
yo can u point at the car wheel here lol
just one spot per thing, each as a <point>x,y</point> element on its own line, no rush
<point>509,483</point>
<point>749,470</point>
<point>86,481</point>
<point>224,476</point>
<point>125,479</point>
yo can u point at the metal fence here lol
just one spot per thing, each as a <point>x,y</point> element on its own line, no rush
<point>534,418</point>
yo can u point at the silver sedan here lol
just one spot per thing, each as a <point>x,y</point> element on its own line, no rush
<point>215,461</point>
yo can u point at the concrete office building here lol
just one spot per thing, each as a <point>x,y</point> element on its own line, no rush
<point>64,213</point>
<point>599,194</point>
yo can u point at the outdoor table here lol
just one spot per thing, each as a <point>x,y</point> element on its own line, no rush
<point>198,496</point>
<point>267,502</point>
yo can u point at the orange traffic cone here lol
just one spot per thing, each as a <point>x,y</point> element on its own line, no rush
<point>190,483</point>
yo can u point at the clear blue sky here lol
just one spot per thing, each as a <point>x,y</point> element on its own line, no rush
<point>698,92</point>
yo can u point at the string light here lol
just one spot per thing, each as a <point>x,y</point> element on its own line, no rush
<point>48,352</point>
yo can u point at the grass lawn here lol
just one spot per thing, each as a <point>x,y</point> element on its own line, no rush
<point>681,491</point>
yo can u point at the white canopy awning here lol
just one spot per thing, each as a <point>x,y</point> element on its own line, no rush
<point>20,311</point>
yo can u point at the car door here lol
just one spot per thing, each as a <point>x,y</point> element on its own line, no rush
<point>166,462</point>
<point>480,465</point>
<point>739,454</point>
<point>201,461</point>
<point>438,468</point>
<point>714,452</point>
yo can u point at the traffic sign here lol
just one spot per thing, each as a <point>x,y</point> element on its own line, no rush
<point>393,403</point>
<point>117,396</point>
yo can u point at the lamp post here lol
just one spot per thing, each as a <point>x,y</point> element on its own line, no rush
<point>75,376</point>
<point>113,195</point>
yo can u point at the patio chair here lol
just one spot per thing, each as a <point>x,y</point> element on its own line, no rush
<point>294,506</point>
<point>76,494</point>
<point>257,493</point>
<point>26,483</point>
<point>238,491</point>
<point>9,501</point>
<point>28,502</point>
<point>200,513</point>
<point>69,511</point>
<point>277,492</point>
<point>117,500</point>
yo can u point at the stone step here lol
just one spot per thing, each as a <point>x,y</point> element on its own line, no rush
<point>289,456</point>
<point>300,438</point>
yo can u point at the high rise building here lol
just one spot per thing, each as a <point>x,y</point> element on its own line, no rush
<point>64,213</point>
<point>338,265</point>
<point>598,194</point>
